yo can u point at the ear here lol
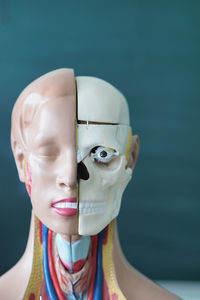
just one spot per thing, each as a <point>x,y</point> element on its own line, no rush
<point>134,150</point>
<point>19,156</point>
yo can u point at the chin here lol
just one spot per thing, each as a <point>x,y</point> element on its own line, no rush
<point>62,225</point>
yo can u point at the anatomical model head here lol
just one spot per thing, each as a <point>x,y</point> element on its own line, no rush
<point>73,148</point>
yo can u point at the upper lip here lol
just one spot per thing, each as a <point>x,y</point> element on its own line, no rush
<point>71,199</point>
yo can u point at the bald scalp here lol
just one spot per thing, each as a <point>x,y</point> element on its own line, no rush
<point>53,85</point>
<point>107,105</point>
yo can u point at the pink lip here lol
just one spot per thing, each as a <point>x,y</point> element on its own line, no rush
<point>66,212</point>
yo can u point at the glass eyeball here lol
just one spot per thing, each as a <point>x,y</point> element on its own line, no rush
<point>103,154</point>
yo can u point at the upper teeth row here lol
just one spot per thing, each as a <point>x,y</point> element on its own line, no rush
<point>84,207</point>
<point>88,208</point>
<point>66,205</point>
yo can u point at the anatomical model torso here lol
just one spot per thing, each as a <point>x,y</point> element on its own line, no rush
<point>74,150</point>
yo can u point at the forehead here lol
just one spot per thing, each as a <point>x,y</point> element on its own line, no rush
<point>55,119</point>
<point>97,115</point>
<point>99,101</point>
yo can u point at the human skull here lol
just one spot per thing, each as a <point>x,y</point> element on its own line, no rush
<point>102,130</point>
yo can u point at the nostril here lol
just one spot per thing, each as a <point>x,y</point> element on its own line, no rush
<point>82,172</point>
<point>63,184</point>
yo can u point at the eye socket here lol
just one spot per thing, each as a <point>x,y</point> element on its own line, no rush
<point>103,154</point>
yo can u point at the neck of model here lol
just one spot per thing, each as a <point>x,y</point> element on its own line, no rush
<point>73,259</point>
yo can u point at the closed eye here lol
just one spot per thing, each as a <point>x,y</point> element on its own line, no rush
<point>47,151</point>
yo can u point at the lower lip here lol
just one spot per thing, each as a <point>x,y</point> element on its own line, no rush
<point>66,212</point>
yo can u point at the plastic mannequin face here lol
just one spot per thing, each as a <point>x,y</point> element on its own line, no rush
<point>51,156</point>
<point>55,143</point>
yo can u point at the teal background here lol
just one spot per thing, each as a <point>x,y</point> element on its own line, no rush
<point>150,50</point>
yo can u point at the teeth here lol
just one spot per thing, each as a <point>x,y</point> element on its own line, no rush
<point>85,208</point>
<point>66,205</point>
<point>88,208</point>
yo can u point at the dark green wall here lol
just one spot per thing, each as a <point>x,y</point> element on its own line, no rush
<point>150,50</point>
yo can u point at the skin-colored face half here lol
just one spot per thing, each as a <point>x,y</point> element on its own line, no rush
<point>51,158</point>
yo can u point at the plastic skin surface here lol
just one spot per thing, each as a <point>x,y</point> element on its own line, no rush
<point>44,136</point>
<point>74,151</point>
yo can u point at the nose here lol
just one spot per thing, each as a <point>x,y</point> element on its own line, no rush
<point>68,172</point>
